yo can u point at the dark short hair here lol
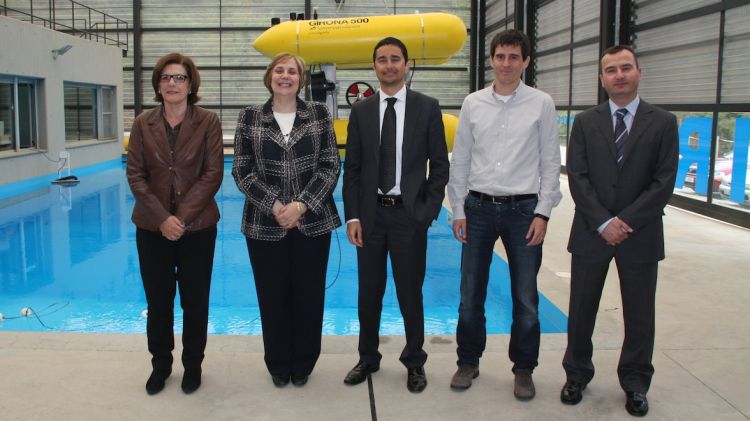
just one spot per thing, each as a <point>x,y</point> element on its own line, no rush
<point>278,58</point>
<point>616,49</point>
<point>511,37</point>
<point>390,41</point>
<point>192,72</point>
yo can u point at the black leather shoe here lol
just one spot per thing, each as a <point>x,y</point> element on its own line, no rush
<point>155,382</point>
<point>416,380</point>
<point>636,404</point>
<point>191,380</point>
<point>572,392</point>
<point>280,381</point>
<point>299,379</point>
<point>359,373</point>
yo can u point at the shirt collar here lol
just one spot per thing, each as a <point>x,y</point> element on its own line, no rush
<point>400,95</point>
<point>632,107</point>
<point>519,89</point>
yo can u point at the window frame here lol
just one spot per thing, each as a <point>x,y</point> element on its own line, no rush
<point>34,140</point>
<point>98,111</point>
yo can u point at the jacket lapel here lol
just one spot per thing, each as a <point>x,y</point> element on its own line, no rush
<point>371,113</point>
<point>641,122</point>
<point>158,131</point>
<point>606,129</point>
<point>411,115</point>
<point>301,123</point>
<point>188,127</point>
<point>271,128</point>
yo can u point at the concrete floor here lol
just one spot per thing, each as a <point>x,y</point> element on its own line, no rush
<point>702,357</point>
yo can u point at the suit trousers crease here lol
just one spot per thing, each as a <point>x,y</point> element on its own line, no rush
<point>638,290</point>
<point>166,266</point>
<point>290,278</point>
<point>394,235</point>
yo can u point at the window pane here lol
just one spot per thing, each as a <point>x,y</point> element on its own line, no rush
<point>26,115</point>
<point>108,112</point>
<point>734,146</point>
<point>80,115</point>
<point>6,116</point>
<point>695,152</point>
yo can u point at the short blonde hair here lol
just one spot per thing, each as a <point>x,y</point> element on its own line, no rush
<point>283,57</point>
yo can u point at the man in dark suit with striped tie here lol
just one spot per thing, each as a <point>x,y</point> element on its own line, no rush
<point>622,163</point>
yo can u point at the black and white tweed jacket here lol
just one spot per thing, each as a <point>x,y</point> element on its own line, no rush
<point>305,168</point>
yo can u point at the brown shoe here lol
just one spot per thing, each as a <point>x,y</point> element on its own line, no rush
<point>524,386</point>
<point>463,377</point>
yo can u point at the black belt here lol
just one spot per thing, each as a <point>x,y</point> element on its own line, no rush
<point>388,201</point>
<point>501,199</point>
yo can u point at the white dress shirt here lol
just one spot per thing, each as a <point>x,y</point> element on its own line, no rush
<point>400,107</point>
<point>506,148</point>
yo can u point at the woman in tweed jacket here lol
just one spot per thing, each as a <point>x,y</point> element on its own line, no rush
<point>287,165</point>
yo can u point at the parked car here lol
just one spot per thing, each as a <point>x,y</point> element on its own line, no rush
<point>722,168</point>
<point>725,187</point>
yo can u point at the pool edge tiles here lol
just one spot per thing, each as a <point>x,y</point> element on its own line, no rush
<point>17,188</point>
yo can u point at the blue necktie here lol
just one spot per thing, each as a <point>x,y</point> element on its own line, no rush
<point>387,177</point>
<point>621,134</point>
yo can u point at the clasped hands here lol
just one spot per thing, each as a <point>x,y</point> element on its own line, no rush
<point>616,232</point>
<point>288,216</point>
<point>172,228</point>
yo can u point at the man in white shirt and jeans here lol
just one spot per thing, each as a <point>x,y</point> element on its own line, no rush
<point>504,182</point>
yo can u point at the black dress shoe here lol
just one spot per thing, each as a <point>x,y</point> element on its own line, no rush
<point>572,392</point>
<point>299,379</point>
<point>155,382</point>
<point>636,404</point>
<point>191,380</point>
<point>359,373</point>
<point>280,381</point>
<point>416,380</point>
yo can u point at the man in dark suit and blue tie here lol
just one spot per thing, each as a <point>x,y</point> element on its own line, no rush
<point>390,200</point>
<point>622,162</point>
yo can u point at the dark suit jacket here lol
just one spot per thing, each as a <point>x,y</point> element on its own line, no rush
<point>305,169</point>
<point>636,193</point>
<point>423,146</point>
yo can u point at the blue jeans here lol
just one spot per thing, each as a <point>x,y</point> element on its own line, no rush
<point>510,222</point>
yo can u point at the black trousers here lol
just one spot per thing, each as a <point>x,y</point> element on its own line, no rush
<point>165,265</point>
<point>393,234</point>
<point>638,291</point>
<point>290,278</point>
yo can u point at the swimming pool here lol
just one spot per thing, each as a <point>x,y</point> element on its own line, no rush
<point>68,254</point>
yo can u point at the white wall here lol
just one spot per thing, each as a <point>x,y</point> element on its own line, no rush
<point>25,50</point>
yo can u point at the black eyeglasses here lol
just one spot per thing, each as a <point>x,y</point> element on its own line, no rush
<point>178,78</point>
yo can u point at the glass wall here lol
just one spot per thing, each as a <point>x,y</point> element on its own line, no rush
<point>732,165</point>
<point>697,67</point>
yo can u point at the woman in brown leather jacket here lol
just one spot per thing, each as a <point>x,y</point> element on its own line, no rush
<point>175,167</point>
<point>286,164</point>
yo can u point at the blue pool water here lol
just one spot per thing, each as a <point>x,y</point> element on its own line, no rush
<point>68,254</point>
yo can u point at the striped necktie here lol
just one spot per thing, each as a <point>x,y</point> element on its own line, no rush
<point>621,134</point>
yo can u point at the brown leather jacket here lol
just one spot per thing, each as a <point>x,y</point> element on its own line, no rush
<point>195,170</point>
